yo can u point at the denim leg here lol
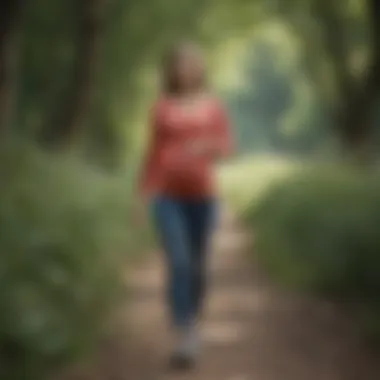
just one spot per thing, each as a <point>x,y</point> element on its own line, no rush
<point>200,218</point>
<point>171,228</point>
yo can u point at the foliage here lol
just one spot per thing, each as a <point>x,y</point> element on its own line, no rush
<point>340,53</point>
<point>135,34</point>
<point>258,107</point>
<point>275,110</point>
<point>244,181</point>
<point>310,73</point>
<point>47,54</point>
<point>64,229</point>
<point>276,107</point>
<point>317,230</point>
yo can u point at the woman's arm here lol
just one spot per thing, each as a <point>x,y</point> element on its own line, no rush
<point>219,143</point>
<point>222,144</point>
<point>148,175</point>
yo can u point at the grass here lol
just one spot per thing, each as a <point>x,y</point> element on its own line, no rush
<point>66,234</point>
<point>315,226</point>
<point>244,180</point>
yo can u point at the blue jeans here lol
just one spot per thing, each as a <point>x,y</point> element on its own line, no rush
<point>184,228</point>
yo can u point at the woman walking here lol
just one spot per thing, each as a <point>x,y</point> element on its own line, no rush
<point>189,132</point>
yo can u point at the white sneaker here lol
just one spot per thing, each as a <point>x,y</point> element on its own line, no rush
<point>187,348</point>
<point>191,342</point>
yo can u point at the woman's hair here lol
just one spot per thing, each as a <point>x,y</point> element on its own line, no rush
<point>169,80</point>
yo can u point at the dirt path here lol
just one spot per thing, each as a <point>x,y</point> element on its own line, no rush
<point>251,331</point>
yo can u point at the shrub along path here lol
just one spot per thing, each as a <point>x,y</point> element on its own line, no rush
<point>252,331</point>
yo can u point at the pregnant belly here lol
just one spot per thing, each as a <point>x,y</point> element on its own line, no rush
<point>186,174</point>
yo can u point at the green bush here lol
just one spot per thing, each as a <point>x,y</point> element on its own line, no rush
<point>319,231</point>
<point>63,232</point>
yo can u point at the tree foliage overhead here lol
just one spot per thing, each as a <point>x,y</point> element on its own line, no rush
<point>80,62</point>
<point>341,47</point>
<point>328,55</point>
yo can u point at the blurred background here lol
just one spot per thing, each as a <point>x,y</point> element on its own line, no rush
<point>301,80</point>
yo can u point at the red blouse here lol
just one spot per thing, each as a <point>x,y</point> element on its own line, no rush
<point>170,168</point>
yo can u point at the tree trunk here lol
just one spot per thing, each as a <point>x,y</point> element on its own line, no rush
<point>356,120</point>
<point>70,121</point>
<point>356,130</point>
<point>9,33</point>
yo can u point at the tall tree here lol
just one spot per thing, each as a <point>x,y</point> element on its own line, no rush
<point>358,113</point>
<point>357,95</point>
<point>70,120</point>
<point>10,11</point>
